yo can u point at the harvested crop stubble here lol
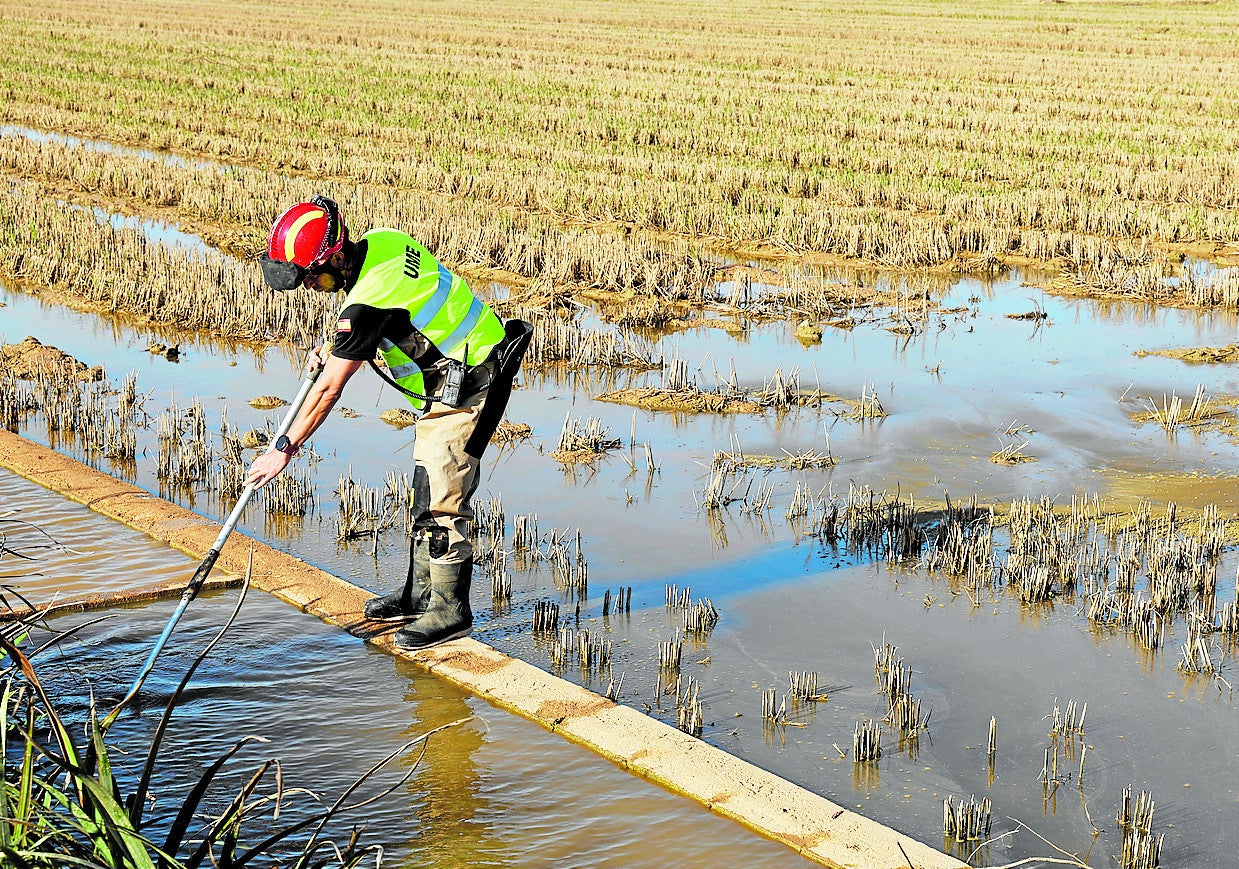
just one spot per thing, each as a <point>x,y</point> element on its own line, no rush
<point>924,135</point>
<point>1172,412</point>
<point>563,341</point>
<point>232,207</point>
<point>74,251</point>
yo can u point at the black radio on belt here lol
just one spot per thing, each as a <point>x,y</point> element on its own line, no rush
<point>453,381</point>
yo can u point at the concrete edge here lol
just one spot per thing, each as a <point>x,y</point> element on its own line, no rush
<point>731,787</point>
<point>103,600</point>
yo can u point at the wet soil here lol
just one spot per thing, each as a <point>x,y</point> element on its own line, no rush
<point>1198,355</point>
<point>680,401</point>
<point>267,402</point>
<point>30,359</point>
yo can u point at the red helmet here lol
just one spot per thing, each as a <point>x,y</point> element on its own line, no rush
<point>307,234</point>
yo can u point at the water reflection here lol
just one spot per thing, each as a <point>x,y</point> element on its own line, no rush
<point>159,231</point>
<point>447,791</point>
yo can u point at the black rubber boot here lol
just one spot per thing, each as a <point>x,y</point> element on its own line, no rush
<point>412,600</point>
<point>448,617</point>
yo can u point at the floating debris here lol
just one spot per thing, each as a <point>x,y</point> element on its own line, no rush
<point>267,402</point>
<point>808,333</point>
<point>399,417</point>
<point>1011,454</point>
<point>255,439</point>
<point>170,352</point>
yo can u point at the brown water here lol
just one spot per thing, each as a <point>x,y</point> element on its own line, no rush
<point>1069,383</point>
<point>497,791</point>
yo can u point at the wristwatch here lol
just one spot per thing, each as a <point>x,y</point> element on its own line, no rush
<point>284,445</point>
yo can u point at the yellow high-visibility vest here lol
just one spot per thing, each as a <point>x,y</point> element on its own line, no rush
<point>398,272</point>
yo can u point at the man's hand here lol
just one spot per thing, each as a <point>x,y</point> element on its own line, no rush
<point>318,357</point>
<point>267,467</point>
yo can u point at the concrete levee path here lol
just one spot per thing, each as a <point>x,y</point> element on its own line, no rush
<point>804,821</point>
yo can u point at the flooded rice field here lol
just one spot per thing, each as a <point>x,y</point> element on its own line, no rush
<point>1001,369</point>
<point>495,791</point>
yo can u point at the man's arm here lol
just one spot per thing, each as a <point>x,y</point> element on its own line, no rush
<point>318,404</point>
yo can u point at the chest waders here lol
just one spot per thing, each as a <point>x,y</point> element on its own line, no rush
<point>448,615</point>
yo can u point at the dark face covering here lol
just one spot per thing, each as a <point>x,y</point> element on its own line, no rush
<point>327,277</point>
<point>281,275</point>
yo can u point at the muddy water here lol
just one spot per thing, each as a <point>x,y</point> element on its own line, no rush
<point>497,791</point>
<point>1068,383</point>
<point>73,552</point>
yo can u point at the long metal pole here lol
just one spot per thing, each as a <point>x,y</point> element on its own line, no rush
<point>200,575</point>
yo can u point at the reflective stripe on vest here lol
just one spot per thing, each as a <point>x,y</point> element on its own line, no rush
<point>404,371</point>
<point>435,305</point>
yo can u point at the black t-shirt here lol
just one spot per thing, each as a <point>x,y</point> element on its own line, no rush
<point>360,328</point>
